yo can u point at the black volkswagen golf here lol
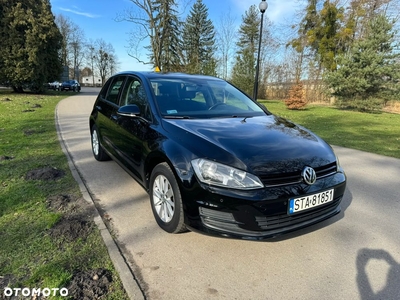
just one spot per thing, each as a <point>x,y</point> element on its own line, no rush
<point>212,159</point>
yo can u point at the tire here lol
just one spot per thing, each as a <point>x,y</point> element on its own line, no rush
<point>166,200</point>
<point>98,151</point>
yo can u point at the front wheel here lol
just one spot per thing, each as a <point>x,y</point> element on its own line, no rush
<point>166,200</point>
<point>98,151</point>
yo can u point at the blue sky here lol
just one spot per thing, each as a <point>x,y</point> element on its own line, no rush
<point>97,19</point>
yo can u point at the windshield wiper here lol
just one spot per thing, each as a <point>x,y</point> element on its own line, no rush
<point>176,117</point>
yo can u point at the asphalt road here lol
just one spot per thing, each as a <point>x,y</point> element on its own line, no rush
<point>355,255</point>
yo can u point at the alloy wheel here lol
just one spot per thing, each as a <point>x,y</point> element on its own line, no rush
<point>163,198</point>
<point>95,142</point>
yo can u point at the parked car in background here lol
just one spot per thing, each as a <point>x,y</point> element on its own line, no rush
<point>70,85</point>
<point>212,159</point>
<point>54,85</point>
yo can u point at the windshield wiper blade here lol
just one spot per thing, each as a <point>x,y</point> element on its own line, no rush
<point>176,117</point>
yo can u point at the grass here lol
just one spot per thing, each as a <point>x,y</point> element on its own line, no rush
<point>372,132</point>
<point>28,140</point>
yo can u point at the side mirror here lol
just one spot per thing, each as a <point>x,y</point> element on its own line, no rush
<point>130,110</point>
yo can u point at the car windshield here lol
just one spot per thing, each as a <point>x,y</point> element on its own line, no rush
<point>201,98</point>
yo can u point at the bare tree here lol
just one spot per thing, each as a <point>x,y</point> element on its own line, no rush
<point>269,48</point>
<point>360,12</point>
<point>90,56</point>
<point>104,59</point>
<point>283,74</point>
<point>65,26</point>
<point>114,63</point>
<point>73,43</point>
<point>226,36</point>
<point>77,45</point>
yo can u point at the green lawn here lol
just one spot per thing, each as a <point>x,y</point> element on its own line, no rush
<point>31,254</point>
<point>372,132</point>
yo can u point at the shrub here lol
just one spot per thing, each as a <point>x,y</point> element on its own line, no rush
<point>296,98</point>
<point>363,105</point>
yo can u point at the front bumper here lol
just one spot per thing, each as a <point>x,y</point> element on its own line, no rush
<point>257,214</point>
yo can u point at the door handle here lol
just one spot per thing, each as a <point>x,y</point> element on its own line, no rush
<point>98,107</point>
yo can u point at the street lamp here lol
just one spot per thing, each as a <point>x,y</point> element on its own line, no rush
<point>263,7</point>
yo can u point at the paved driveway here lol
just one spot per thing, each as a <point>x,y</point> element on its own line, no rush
<point>355,255</point>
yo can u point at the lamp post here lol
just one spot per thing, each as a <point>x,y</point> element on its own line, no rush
<point>263,7</point>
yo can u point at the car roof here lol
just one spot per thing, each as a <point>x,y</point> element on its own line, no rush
<point>167,75</point>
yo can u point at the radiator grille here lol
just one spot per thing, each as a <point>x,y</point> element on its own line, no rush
<point>295,177</point>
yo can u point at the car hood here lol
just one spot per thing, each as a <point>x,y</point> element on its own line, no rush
<point>260,145</point>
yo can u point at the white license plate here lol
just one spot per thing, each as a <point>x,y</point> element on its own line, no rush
<point>310,201</point>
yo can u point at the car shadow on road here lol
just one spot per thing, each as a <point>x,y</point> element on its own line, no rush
<point>391,288</point>
<point>346,202</point>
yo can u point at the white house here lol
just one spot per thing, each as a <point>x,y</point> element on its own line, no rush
<point>88,81</point>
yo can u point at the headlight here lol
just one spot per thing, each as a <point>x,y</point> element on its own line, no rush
<point>213,173</point>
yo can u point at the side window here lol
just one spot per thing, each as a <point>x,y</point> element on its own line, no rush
<point>113,90</point>
<point>134,93</point>
<point>103,92</point>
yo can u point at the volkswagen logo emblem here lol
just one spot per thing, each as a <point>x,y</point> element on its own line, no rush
<point>309,175</point>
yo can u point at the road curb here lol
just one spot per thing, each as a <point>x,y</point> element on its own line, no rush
<point>127,277</point>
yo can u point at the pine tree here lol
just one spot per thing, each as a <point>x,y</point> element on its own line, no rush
<point>199,41</point>
<point>249,30</point>
<point>243,72</point>
<point>166,44</point>
<point>30,44</point>
<point>296,99</point>
<point>369,74</point>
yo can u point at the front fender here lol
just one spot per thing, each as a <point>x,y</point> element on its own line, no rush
<point>179,159</point>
